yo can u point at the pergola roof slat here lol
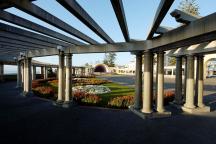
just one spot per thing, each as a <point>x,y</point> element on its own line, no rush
<point>120,14</point>
<point>15,46</point>
<point>12,29</point>
<point>33,26</point>
<point>36,11</point>
<point>161,12</point>
<point>25,39</point>
<point>82,15</point>
<point>12,41</point>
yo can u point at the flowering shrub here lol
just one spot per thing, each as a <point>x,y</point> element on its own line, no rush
<point>44,91</point>
<point>86,98</point>
<point>35,84</point>
<point>168,96</point>
<point>121,102</point>
<point>89,81</point>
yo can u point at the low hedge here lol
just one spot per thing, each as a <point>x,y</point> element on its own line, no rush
<point>44,91</point>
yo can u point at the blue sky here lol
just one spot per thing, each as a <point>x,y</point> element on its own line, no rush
<point>139,15</point>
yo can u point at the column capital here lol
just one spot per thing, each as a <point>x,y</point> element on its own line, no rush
<point>68,54</point>
<point>160,52</point>
<point>61,53</point>
<point>148,53</point>
<point>137,53</point>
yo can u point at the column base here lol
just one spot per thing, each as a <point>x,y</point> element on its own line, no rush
<point>152,115</point>
<point>58,103</point>
<point>18,87</point>
<point>68,104</point>
<point>64,104</point>
<point>27,94</point>
<point>176,105</point>
<point>196,110</point>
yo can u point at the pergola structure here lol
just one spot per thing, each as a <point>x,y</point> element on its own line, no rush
<point>199,31</point>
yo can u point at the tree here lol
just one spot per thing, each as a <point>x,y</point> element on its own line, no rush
<point>109,59</point>
<point>191,7</point>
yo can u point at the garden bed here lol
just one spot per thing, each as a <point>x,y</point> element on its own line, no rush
<point>117,96</point>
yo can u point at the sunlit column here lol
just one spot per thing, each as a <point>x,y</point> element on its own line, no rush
<point>68,77</point>
<point>160,82</point>
<point>190,83</point>
<point>27,76</point>
<point>147,86</point>
<point>138,82</point>
<point>200,81</point>
<point>61,80</point>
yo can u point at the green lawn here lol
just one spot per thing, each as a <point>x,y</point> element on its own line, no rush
<point>116,90</point>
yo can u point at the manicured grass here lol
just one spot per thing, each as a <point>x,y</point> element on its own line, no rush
<point>116,91</point>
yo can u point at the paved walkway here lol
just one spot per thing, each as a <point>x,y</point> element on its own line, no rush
<point>34,121</point>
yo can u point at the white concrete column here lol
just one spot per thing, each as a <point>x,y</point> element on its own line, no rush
<point>200,69</point>
<point>19,75</point>
<point>33,72</point>
<point>45,73</point>
<point>138,82</point>
<point>185,79</point>
<point>61,78</point>
<point>147,89</point>
<point>42,71</point>
<point>27,76</point>
<point>178,81</point>
<point>57,73</point>
<point>68,88</point>
<point>190,83</point>
<point>73,71</point>
<point>23,73</point>
<point>160,82</point>
<point>1,72</point>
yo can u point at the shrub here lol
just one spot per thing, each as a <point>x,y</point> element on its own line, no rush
<point>121,102</point>
<point>168,96</point>
<point>35,84</point>
<point>44,91</point>
<point>91,99</point>
<point>86,98</point>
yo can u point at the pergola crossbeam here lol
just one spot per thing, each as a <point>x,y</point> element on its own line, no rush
<point>161,12</point>
<point>25,39</point>
<point>201,30</point>
<point>39,13</point>
<point>12,29</point>
<point>20,43</point>
<point>120,14</point>
<point>35,27</point>
<point>82,15</point>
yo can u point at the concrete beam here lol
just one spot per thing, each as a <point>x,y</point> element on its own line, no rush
<point>183,17</point>
<point>39,13</point>
<point>201,30</point>
<point>12,29</point>
<point>198,31</point>
<point>161,12</point>
<point>203,48</point>
<point>74,8</point>
<point>26,39</point>
<point>163,29</point>
<point>120,14</point>
<point>20,43</point>
<point>38,28</point>
<point>15,46</point>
